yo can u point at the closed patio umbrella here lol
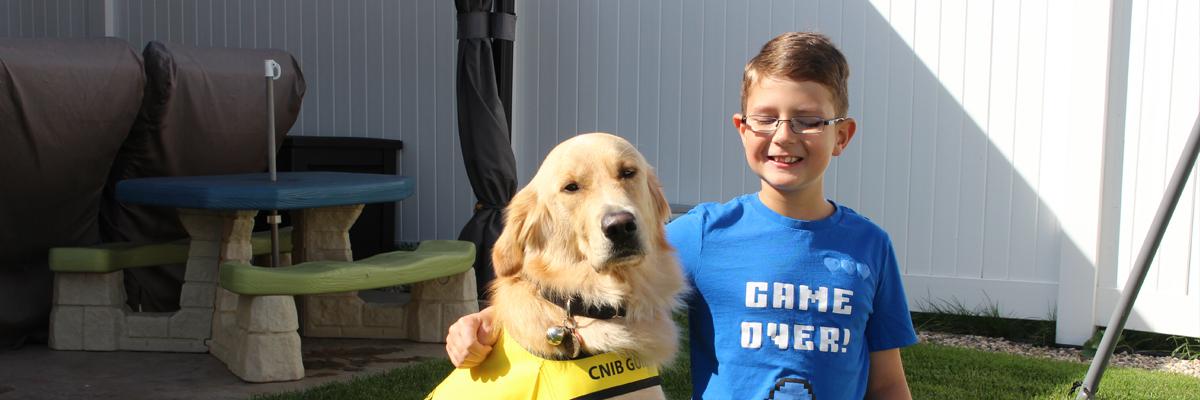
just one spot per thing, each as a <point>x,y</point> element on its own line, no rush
<point>483,128</point>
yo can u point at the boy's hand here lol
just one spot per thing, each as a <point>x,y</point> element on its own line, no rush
<point>470,339</point>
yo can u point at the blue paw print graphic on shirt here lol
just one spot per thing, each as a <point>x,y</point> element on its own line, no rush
<point>847,266</point>
<point>791,389</point>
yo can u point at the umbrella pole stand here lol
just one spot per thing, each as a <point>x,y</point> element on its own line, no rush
<point>1087,390</point>
<point>273,220</point>
<point>272,71</point>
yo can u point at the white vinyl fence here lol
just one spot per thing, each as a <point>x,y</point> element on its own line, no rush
<point>1015,151</point>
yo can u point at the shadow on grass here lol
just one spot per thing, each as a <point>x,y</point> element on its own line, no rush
<point>410,382</point>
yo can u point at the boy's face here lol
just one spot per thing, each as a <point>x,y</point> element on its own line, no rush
<point>786,161</point>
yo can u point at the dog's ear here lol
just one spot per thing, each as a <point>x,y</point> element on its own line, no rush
<point>656,195</point>
<point>662,208</point>
<point>520,227</point>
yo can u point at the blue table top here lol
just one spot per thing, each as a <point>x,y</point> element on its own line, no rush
<point>292,190</point>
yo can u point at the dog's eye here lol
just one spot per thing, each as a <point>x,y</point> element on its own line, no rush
<point>571,187</point>
<point>628,173</point>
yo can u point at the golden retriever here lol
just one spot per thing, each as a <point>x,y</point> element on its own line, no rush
<point>588,227</point>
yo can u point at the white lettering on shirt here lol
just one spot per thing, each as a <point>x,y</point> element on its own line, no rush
<point>778,334</point>
<point>804,337</point>
<point>841,301</point>
<point>829,340</point>
<point>756,296</point>
<point>784,293</point>
<point>821,297</point>
<point>751,335</point>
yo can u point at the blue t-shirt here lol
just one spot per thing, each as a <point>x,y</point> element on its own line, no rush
<point>783,305</point>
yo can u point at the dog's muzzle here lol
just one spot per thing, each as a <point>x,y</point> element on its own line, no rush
<point>621,229</point>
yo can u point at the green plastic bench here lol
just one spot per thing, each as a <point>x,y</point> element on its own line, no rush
<point>110,257</point>
<point>89,310</point>
<point>259,336</point>
<point>432,259</point>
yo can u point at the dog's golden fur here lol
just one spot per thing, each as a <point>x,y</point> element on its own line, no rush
<point>553,241</point>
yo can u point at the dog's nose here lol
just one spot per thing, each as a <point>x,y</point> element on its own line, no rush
<point>619,226</point>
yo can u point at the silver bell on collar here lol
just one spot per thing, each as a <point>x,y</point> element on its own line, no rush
<point>555,335</point>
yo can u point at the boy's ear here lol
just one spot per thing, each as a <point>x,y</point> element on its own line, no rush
<point>845,132</point>
<point>737,122</point>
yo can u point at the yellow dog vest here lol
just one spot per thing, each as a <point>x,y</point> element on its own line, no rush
<point>511,372</point>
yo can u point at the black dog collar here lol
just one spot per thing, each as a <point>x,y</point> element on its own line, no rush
<point>575,307</point>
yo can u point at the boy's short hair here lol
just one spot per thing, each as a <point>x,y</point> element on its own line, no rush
<point>801,56</point>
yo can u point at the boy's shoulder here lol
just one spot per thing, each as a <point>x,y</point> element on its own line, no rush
<point>853,220</point>
<point>714,214</point>
<point>718,208</point>
<point>709,213</point>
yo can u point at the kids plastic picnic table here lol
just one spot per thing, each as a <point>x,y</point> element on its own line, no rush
<point>218,213</point>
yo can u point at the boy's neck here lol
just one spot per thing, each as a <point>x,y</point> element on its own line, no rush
<point>805,205</point>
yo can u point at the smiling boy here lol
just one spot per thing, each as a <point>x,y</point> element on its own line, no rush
<point>792,288</point>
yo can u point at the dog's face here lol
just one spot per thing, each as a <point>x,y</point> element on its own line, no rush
<point>593,208</point>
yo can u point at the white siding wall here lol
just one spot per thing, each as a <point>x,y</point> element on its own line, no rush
<point>51,18</point>
<point>948,95</point>
<point>374,68</point>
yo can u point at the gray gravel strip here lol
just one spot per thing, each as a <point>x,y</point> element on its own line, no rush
<point>1166,363</point>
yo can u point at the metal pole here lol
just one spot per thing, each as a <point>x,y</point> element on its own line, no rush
<point>502,59</point>
<point>1159,227</point>
<point>273,72</point>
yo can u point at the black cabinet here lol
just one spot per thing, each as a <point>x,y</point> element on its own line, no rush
<point>375,230</point>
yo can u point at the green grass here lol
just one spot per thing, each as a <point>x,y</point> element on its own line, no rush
<point>941,372</point>
<point>934,372</point>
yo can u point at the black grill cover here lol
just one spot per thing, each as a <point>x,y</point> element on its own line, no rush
<point>65,107</point>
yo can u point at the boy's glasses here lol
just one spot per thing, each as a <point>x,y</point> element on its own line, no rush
<point>767,125</point>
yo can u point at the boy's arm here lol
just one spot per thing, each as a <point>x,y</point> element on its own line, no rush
<point>470,339</point>
<point>886,379</point>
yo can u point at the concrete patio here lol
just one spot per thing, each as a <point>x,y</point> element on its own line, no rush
<point>37,372</point>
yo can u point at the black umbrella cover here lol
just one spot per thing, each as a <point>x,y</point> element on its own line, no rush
<point>484,133</point>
